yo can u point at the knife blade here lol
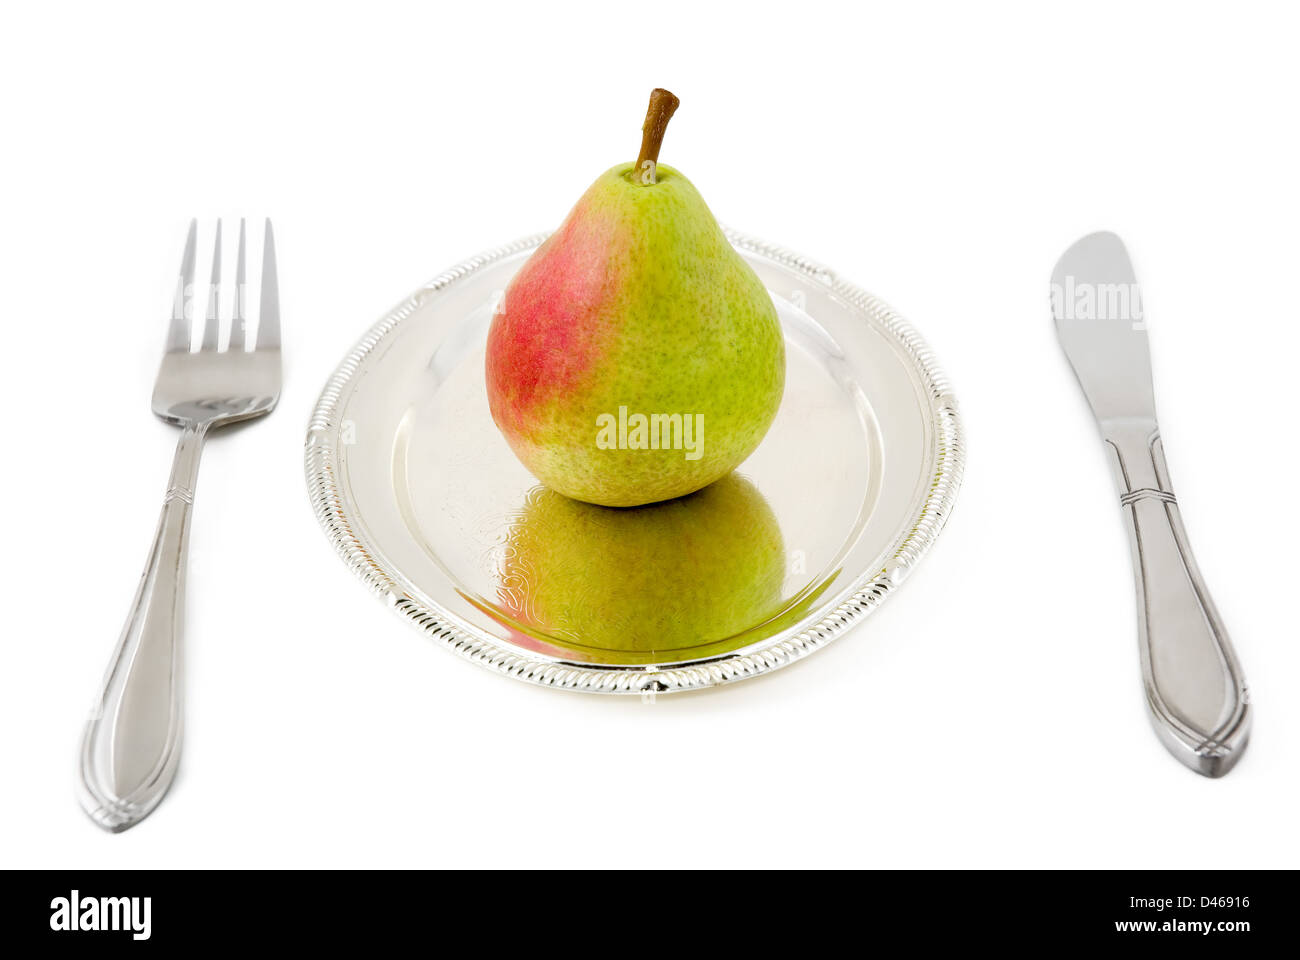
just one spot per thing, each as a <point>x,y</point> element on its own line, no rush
<point>1196,693</point>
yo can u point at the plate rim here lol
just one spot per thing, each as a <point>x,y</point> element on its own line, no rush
<point>948,449</point>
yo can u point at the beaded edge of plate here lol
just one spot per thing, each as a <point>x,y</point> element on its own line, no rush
<point>949,454</point>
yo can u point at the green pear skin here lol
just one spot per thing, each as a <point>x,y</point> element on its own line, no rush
<point>636,305</point>
<point>659,582</point>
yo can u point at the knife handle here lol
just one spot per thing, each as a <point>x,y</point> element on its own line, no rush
<point>1195,689</point>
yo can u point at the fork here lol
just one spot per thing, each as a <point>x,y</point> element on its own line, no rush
<point>133,738</point>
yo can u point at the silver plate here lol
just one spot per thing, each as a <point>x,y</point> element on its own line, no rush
<point>422,497</point>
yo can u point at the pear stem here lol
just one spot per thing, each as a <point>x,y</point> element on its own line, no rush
<point>662,107</point>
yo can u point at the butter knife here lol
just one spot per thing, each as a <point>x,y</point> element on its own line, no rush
<point>1195,689</point>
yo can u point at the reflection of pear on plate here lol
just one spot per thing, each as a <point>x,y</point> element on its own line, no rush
<point>669,581</point>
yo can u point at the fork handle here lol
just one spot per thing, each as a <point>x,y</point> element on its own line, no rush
<point>133,739</point>
<point>1195,689</point>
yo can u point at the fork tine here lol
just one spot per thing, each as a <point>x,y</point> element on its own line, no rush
<point>238,340</point>
<point>268,320</point>
<point>178,331</point>
<point>212,323</point>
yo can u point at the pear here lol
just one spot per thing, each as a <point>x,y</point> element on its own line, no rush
<point>665,581</point>
<point>635,356</point>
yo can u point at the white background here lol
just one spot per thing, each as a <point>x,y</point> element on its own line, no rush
<point>942,156</point>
